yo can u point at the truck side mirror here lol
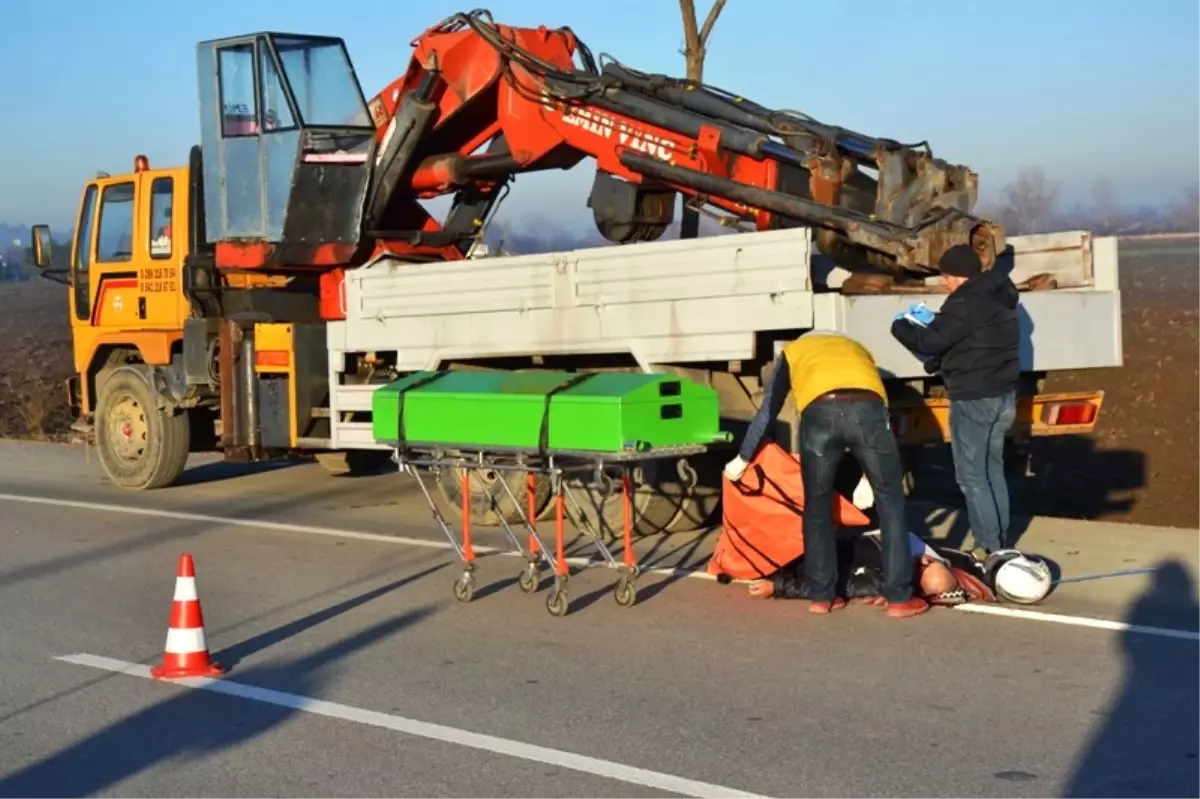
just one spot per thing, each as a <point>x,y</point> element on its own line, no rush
<point>40,237</point>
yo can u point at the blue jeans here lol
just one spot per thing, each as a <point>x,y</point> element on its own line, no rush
<point>977,429</point>
<point>827,429</point>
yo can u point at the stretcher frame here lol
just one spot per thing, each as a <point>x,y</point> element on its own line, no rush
<point>558,465</point>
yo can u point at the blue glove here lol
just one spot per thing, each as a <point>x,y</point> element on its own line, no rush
<point>921,313</point>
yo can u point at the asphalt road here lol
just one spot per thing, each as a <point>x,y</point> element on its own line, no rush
<point>352,671</point>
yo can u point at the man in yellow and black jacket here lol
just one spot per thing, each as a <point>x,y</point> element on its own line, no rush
<point>842,404</point>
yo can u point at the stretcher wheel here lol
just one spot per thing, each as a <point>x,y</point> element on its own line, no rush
<point>625,592</point>
<point>464,587</point>
<point>528,581</point>
<point>557,603</point>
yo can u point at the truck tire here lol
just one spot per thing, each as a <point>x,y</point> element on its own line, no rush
<point>449,483</point>
<point>910,465</point>
<point>142,446</point>
<point>655,510</point>
<point>355,463</point>
<point>658,503</point>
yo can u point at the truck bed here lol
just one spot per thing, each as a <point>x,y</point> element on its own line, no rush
<point>676,302</point>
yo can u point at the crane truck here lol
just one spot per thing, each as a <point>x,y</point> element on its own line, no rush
<point>251,300</point>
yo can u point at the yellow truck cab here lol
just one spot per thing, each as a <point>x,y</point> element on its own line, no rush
<point>126,306</point>
<point>125,269</point>
<point>195,292</point>
<point>144,303</point>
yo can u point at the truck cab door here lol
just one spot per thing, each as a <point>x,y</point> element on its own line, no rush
<point>160,278</point>
<point>82,251</point>
<point>112,276</point>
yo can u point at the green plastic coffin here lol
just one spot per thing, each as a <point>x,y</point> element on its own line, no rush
<point>596,412</point>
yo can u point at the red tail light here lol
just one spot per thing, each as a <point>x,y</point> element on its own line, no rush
<point>1069,413</point>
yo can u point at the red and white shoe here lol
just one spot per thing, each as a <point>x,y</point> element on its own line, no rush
<point>822,607</point>
<point>902,610</point>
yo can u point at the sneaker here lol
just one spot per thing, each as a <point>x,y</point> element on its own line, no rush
<point>902,610</point>
<point>822,607</point>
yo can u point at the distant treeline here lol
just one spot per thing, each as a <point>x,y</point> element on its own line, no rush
<point>16,263</point>
<point>1031,204</point>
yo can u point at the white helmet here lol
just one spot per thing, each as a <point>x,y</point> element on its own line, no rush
<point>1018,577</point>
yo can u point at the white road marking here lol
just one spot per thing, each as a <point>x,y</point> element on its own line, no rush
<point>335,532</point>
<point>308,529</point>
<point>423,729</point>
<point>1083,578</point>
<point>1078,621</point>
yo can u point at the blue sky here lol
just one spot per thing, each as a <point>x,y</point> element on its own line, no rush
<point>1082,88</point>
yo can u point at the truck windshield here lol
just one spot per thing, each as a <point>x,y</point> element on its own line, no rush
<point>326,90</point>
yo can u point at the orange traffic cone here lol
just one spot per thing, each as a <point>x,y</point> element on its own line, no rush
<point>186,652</point>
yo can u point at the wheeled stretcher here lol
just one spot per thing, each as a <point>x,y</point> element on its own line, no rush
<point>562,426</point>
<point>592,469</point>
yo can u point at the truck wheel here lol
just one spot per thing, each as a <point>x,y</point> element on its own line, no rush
<point>355,463</point>
<point>449,483</point>
<point>659,501</point>
<point>141,446</point>
<point>910,465</point>
<point>656,510</point>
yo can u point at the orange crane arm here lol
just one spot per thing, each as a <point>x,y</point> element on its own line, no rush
<point>471,83</point>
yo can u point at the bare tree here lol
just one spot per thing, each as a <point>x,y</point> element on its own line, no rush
<point>695,44</point>
<point>1104,207</point>
<point>1030,203</point>
<point>1185,214</point>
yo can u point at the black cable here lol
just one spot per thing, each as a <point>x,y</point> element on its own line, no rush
<point>587,80</point>
<point>777,119</point>
<point>590,81</point>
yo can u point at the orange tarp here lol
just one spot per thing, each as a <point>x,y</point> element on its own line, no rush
<point>763,522</point>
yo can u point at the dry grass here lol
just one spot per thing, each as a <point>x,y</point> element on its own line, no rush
<point>35,362</point>
<point>33,406</point>
<point>1142,464</point>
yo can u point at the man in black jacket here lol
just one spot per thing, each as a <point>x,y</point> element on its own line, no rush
<point>974,341</point>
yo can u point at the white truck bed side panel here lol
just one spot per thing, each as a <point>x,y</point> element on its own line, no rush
<point>1067,255</point>
<point>666,301</point>
<point>1105,252</point>
<point>681,301</point>
<point>1077,329</point>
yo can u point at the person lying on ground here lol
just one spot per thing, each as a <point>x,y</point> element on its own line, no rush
<point>941,576</point>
